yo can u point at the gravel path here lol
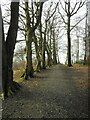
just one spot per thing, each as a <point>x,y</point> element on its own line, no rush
<point>54,93</point>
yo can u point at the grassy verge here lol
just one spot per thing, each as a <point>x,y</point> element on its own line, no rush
<point>17,75</point>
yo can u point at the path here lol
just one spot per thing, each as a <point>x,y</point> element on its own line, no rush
<point>54,93</point>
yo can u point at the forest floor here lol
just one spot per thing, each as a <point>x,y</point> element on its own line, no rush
<point>58,92</point>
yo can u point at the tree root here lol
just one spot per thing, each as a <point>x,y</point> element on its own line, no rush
<point>23,75</point>
<point>14,87</point>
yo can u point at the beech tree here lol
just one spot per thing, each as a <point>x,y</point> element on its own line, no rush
<point>30,29</point>
<point>8,47</point>
<point>0,50</point>
<point>85,41</point>
<point>45,47</point>
<point>51,45</point>
<point>70,10</point>
<point>54,48</point>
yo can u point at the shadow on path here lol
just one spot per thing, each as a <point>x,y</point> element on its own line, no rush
<point>53,93</point>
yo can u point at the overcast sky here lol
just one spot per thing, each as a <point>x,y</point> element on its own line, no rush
<point>81,13</point>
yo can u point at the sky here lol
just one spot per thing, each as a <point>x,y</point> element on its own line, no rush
<point>62,52</point>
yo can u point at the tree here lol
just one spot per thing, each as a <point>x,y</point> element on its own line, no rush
<point>45,47</point>
<point>38,50</point>
<point>30,30</point>
<point>1,37</point>
<point>85,41</point>
<point>70,10</point>
<point>8,50</point>
<point>54,49</point>
<point>51,46</point>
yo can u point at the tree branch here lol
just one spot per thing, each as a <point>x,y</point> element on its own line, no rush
<point>53,12</point>
<point>80,5</point>
<point>62,16</point>
<point>77,23</point>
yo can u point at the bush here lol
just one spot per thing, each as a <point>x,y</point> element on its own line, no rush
<point>82,62</point>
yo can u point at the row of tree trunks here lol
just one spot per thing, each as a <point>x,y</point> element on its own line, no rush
<point>30,32</point>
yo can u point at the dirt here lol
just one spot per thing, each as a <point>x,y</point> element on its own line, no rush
<point>54,93</point>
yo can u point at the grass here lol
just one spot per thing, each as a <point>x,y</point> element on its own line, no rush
<point>17,75</point>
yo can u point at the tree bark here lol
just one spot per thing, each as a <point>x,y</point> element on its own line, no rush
<point>29,35</point>
<point>4,58</point>
<point>29,66</point>
<point>8,48</point>
<point>77,53</point>
<point>4,65</point>
<point>37,49</point>
<point>54,50</point>
<point>44,48</point>
<point>30,30</point>
<point>40,43</point>
<point>68,36</point>
<point>49,56</point>
<point>77,42</point>
<point>85,56</point>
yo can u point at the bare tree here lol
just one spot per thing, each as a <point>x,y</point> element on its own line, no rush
<point>30,29</point>
<point>85,41</point>
<point>8,50</point>
<point>47,19</point>
<point>1,37</point>
<point>69,11</point>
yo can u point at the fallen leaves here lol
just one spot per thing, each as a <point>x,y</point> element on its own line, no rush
<point>81,80</point>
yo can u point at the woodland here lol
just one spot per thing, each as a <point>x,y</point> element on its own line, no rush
<point>44,46</point>
<point>40,25</point>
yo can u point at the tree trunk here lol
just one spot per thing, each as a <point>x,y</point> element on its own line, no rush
<point>85,56</point>
<point>51,61</point>
<point>29,66</point>
<point>44,48</point>
<point>4,65</point>
<point>69,46</point>
<point>40,42</point>
<point>68,37</point>
<point>49,56</point>
<point>77,52</point>
<point>11,41</point>
<point>48,49</point>
<point>8,50</point>
<point>4,59</point>
<point>43,56</point>
<point>54,50</point>
<point>29,35</point>
<point>88,57</point>
<point>0,50</point>
<point>37,49</point>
